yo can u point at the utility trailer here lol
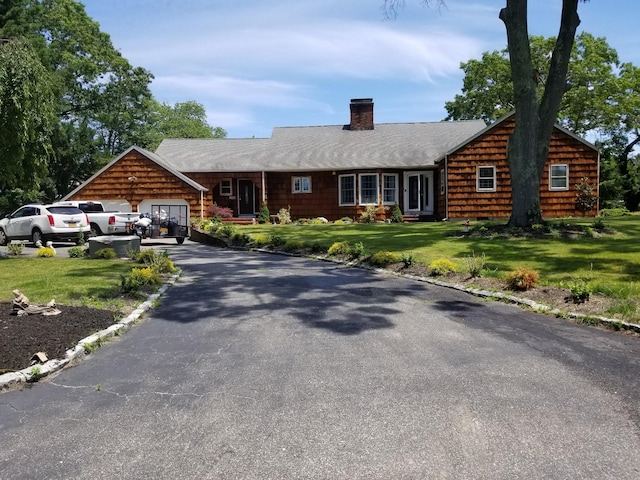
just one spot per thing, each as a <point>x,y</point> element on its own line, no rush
<point>163,221</point>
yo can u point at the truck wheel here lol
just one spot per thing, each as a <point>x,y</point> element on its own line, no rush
<point>95,230</point>
<point>3,237</point>
<point>180,240</point>
<point>37,236</point>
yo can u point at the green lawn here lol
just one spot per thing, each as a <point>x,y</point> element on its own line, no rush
<point>610,262</point>
<point>67,280</point>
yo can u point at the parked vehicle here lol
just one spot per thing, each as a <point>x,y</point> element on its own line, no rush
<point>101,221</point>
<point>164,221</point>
<point>41,223</point>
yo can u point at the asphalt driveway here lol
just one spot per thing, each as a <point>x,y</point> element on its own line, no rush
<point>265,366</point>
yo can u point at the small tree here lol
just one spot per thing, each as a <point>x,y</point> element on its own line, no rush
<point>585,197</point>
<point>396,214</point>
<point>264,216</point>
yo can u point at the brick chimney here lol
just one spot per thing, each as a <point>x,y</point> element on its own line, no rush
<point>361,114</point>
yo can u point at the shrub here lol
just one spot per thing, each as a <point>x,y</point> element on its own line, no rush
<point>614,212</point>
<point>522,279</point>
<point>369,214</point>
<point>277,240</point>
<point>383,258</point>
<point>264,216</point>
<point>293,244</point>
<point>357,250</point>
<point>139,277</point>
<point>317,247</point>
<point>15,249</point>
<point>45,252</point>
<point>158,262</point>
<point>226,230</point>
<point>407,260</point>
<point>339,222</point>
<point>475,264</point>
<point>219,212</point>
<point>77,252</point>
<point>241,238</point>
<point>580,290</point>
<point>441,266</point>
<point>105,254</point>
<point>396,214</point>
<point>339,248</point>
<point>261,239</point>
<point>284,216</point>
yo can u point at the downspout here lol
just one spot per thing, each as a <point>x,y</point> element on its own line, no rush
<point>598,187</point>
<point>264,192</point>
<point>446,187</point>
<point>201,205</point>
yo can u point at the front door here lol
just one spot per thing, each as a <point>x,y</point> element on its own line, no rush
<point>418,193</point>
<point>246,198</point>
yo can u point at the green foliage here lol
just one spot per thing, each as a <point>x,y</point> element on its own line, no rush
<point>356,250</point>
<point>35,373</point>
<point>614,212</point>
<point>276,240</point>
<point>105,254</point>
<point>264,216</point>
<point>586,198</point>
<point>284,216</point>
<point>45,252</point>
<point>226,230</point>
<point>475,264</point>
<point>369,214</point>
<point>522,279</point>
<point>580,290</point>
<point>77,252</point>
<point>441,266</point>
<point>292,245</point>
<point>261,239</point>
<point>158,262</point>
<point>217,212</point>
<point>396,214</point>
<point>137,278</point>
<point>339,248</point>
<point>240,237</point>
<point>383,258</point>
<point>407,260</point>
<point>15,249</point>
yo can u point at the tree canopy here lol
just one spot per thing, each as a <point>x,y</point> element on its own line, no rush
<point>75,99</point>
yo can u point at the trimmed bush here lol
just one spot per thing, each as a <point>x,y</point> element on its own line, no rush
<point>77,252</point>
<point>45,252</point>
<point>105,254</point>
<point>137,278</point>
<point>384,258</point>
<point>261,239</point>
<point>293,244</point>
<point>264,216</point>
<point>339,248</point>
<point>226,230</point>
<point>522,279</point>
<point>396,214</point>
<point>441,266</point>
<point>357,250</point>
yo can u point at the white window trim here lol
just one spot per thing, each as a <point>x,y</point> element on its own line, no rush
<point>360,202</point>
<point>395,193</point>
<point>493,189</point>
<point>301,183</point>
<point>340,177</point>
<point>442,182</point>
<point>230,191</point>
<point>566,178</point>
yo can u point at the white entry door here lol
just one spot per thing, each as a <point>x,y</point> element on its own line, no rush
<point>418,193</point>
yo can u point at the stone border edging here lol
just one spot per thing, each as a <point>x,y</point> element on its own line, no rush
<point>11,380</point>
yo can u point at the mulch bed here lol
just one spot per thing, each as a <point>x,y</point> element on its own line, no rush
<point>23,336</point>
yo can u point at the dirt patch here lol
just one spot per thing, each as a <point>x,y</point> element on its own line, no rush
<point>23,336</point>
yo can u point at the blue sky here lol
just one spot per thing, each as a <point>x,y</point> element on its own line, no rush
<point>257,64</point>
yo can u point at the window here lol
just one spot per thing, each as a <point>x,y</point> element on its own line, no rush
<point>486,179</point>
<point>443,180</point>
<point>347,190</point>
<point>389,189</point>
<point>559,177</point>
<point>368,189</point>
<point>301,184</point>
<point>225,187</point>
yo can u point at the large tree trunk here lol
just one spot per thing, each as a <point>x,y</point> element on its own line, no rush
<point>529,143</point>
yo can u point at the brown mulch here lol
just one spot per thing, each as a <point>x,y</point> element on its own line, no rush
<point>23,336</point>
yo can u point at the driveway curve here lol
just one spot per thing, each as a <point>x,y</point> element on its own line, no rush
<point>266,366</point>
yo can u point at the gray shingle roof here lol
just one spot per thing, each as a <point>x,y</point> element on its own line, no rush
<point>390,145</point>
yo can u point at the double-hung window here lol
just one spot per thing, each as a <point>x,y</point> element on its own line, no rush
<point>486,178</point>
<point>559,177</point>
<point>301,184</point>
<point>368,189</point>
<point>225,187</point>
<point>389,188</point>
<point>347,190</point>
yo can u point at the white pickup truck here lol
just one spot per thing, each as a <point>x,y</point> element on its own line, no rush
<point>103,222</point>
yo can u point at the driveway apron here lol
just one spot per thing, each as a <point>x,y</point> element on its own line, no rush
<point>266,366</point>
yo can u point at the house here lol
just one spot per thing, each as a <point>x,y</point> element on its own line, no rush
<point>432,170</point>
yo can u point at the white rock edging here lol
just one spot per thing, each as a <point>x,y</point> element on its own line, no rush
<point>11,380</point>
